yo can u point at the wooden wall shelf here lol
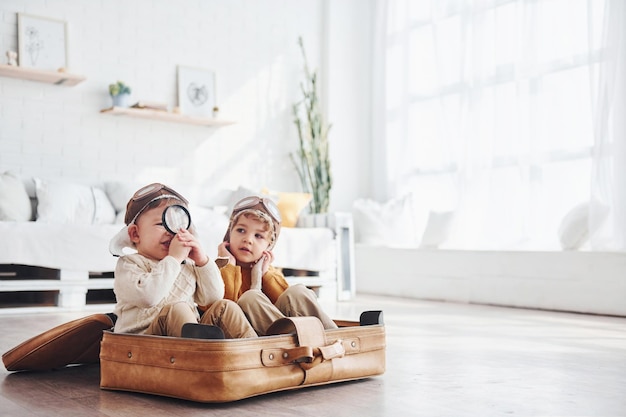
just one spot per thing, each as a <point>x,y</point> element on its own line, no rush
<point>49,77</point>
<point>166,116</point>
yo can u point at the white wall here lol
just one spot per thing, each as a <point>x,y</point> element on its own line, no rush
<point>55,131</point>
<point>348,75</point>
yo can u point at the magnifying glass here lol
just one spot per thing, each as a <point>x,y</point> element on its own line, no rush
<point>176,217</point>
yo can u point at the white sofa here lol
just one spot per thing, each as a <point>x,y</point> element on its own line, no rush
<point>60,247</point>
<point>574,281</point>
<point>399,253</point>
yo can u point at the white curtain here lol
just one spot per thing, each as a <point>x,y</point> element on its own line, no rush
<point>609,162</point>
<point>507,113</point>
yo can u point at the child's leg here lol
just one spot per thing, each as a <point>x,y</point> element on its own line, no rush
<point>259,310</point>
<point>298,300</point>
<point>228,316</point>
<point>171,318</point>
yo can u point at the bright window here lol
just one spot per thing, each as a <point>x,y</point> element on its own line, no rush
<point>489,113</point>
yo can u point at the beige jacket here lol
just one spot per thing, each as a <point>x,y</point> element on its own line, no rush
<point>143,287</point>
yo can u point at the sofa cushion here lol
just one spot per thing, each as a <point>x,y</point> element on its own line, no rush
<point>63,202</point>
<point>119,193</point>
<point>391,224</point>
<point>437,229</point>
<point>14,202</point>
<point>574,230</point>
<point>238,194</point>
<point>290,205</point>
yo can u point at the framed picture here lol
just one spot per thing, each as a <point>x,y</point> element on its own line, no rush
<point>196,91</point>
<point>42,42</point>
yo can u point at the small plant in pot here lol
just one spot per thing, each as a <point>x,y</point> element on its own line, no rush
<point>120,93</point>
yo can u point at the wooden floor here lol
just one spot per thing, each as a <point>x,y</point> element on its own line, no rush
<point>443,359</point>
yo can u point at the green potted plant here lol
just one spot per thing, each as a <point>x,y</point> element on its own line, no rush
<point>311,160</point>
<point>120,93</point>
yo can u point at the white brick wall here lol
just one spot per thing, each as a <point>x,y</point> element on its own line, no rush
<point>54,131</point>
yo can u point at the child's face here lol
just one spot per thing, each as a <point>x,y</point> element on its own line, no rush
<point>249,237</point>
<point>149,235</point>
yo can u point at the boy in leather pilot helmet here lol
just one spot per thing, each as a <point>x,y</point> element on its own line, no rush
<point>245,259</point>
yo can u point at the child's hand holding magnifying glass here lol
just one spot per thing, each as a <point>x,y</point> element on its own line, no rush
<point>177,220</point>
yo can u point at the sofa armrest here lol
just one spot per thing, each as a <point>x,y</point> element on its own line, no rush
<point>342,226</point>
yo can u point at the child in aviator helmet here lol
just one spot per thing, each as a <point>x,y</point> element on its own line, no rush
<point>245,259</point>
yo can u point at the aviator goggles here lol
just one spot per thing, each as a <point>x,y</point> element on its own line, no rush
<point>268,204</point>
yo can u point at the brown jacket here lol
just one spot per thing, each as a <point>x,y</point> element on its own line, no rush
<point>237,281</point>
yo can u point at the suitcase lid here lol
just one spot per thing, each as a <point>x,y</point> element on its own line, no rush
<point>75,342</point>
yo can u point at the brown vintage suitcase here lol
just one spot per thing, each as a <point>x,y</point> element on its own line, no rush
<point>299,353</point>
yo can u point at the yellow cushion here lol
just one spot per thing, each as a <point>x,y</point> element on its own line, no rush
<point>290,205</point>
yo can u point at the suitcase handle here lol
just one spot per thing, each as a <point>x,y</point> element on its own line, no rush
<point>324,353</point>
<point>305,356</point>
<point>312,348</point>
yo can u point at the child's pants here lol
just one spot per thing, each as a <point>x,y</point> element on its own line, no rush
<point>225,314</point>
<point>296,301</point>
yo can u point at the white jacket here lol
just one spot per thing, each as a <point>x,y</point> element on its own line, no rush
<point>143,287</point>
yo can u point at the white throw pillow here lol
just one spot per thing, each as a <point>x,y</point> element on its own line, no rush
<point>208,217</point>
<point>207,196</point>
<point>119,193</point>
<point>14,202</point>
<point>391,224</point>
<point>237,195</point>
<point>61,202</point>
<point>574,228</point>
<point>437,229</point>
<point>104,212</point>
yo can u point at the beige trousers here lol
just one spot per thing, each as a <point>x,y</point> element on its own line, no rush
<point>297,300</point>
<point>225,314</point>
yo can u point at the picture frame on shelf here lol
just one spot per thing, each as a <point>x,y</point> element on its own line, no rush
<point>42,42</point>
<point>196,91</point>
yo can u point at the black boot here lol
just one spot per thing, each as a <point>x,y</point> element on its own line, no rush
<point>201,331</point>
